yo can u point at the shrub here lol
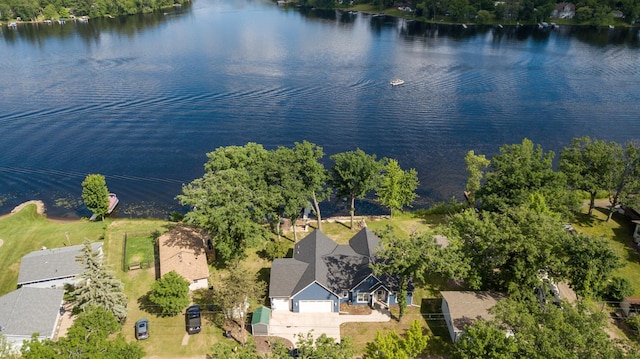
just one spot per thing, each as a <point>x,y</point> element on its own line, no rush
<point>619,288</point>
<point>274,250</point>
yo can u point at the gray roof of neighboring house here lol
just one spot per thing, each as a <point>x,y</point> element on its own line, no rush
<point>317,258</point>
<point>30,310</point>
<point>467,306</point>
<point>51,264</point>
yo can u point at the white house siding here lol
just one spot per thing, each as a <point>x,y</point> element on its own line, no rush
<point>280,304</point>
<point>199,284</point>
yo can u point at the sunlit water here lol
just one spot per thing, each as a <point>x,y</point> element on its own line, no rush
<point>143,99</point>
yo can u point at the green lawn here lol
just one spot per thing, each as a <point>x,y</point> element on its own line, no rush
<point>27,231</point>
<point>140,249</point>
<point>619,233</point>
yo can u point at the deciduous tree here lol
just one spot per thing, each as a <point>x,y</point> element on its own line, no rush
<point>519,170</point>
<point>170,293</point>
<point>589,164</point>
<point>625,182</point>
<point>476,167</point>
<point>96,194</point>
<point>397,187</point>
<point>353,175</point>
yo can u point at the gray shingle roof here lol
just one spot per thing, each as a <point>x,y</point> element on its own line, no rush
<point>317,258</point>
<point>50,264</point>
<point>30,310</point>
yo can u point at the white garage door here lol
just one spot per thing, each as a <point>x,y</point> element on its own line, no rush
<point>309,306</point>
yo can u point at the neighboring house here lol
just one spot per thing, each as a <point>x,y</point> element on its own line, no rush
<point>462,308</point>
<point>322,274</point>
<point>182,249</point>
<point>30,310</point>
<point>564,10</point>
<point>634,216</point>
<point>53,268</point>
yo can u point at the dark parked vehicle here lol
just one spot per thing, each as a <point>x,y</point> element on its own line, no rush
<point>142,329</point>
<point>192,319</point>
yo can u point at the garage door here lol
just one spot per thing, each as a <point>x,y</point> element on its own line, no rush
<point>310,306</point>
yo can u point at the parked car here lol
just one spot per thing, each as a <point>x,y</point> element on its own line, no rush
<point>142,329</point>
<point>192,319</point>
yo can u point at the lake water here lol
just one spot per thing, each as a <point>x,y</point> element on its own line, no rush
<point>142,99</point>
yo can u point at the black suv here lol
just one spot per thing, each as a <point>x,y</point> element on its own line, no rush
<point>192,319</point>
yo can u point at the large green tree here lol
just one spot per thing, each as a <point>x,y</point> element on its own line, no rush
<point>236,290</point>
<point>506,251</point>
<point>170,293</point>
<point>625,181</point>
<point>96,194</point>
<point>313,174</point>
<point>397,187</point>
<point>589,164</point>
<point>233,199</point>
<point>98,286</point>
<point>542,331</point>
<point>91,336</point>
<point>516,172</point>
<point>353,175</point>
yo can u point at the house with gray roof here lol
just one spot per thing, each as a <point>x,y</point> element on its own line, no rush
<point>52,268</point>
<point>462,308</point>
<point>30,310</point>
<point>322,274</point>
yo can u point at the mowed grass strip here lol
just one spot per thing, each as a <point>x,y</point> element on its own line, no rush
<point>27,231</point>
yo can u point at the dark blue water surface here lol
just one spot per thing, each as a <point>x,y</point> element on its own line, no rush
<point>143,99</point>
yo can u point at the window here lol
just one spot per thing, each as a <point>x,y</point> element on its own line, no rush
<point>363,297</point>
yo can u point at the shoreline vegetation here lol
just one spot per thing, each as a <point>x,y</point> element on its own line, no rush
<point>497,15</point>
<point>464,12</point>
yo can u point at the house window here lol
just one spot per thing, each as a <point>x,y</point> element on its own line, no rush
<point>363,297</point>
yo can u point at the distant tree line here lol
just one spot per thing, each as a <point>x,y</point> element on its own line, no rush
<point>595,12</point>
<point>32,10</point>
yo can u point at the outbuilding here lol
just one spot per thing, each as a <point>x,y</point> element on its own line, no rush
<point>260,321</point>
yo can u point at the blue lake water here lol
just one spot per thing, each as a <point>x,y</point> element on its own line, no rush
<point>142,99</point>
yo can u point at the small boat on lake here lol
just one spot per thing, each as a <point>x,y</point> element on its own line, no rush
<point>396,82</point>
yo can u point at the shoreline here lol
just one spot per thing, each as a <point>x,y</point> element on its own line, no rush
<point>40,210</point>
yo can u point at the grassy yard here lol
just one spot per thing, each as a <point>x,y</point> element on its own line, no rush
<point>27,231</point>
<point>619,233</point>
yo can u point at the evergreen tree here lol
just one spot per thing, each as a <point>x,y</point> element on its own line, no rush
<point>98,286</point>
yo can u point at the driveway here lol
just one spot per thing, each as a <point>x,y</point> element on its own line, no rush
<point>286,324</point>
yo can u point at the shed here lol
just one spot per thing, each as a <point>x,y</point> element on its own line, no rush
<point>260,321</point>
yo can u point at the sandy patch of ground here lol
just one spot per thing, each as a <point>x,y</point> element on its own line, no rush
<point>1,242</point>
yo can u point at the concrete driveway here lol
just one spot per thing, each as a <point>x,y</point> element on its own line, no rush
<point>288,325</point>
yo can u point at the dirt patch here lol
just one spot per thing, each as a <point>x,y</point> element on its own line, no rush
<point>135,258</point>
<point>1,242</point>
<point>263,343</point>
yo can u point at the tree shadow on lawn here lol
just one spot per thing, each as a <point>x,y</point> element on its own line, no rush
<point>145,304</point>
<point>440,341</point>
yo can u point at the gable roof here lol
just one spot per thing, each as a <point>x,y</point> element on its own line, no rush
<point>261,315</point>
<point>467,306</point>
<point>52,264</point>
<point>29,310</point>
<point>317,258</point>
<point>182,250</point>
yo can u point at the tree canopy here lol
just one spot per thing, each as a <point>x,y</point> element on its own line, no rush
<point>390,345</point>
<point>170,293</point>
<point>89,337</point>
<point>519,170</point>
<point>588,165</point>
<point>353,175</point>
<point>545,331</point>
<point>96,194</point>
<point>397,187</point>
